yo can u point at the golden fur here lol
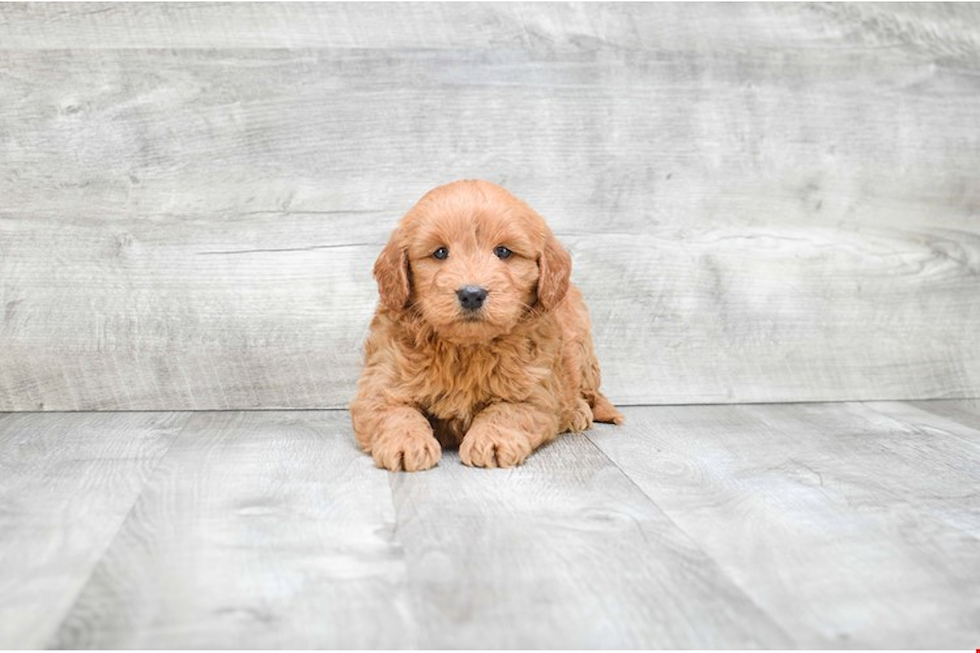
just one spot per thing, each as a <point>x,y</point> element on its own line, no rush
<point>497,384</point>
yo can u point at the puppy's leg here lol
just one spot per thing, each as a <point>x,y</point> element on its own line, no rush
<point>397,437</point>
<point>604,411</point>
<point>579,417</point>
<point>503,435</point>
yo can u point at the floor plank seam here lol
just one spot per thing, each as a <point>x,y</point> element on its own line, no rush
<point>399,545</point>
<point>52,641</point>
<point>719,569</point>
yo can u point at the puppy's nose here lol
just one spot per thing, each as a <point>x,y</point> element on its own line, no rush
<point>471,297</point>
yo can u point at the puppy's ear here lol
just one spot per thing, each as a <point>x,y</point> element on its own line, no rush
<point>391,273</point>
<point>555,269</point>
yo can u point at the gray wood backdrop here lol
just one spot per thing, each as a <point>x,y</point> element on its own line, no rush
<point>765,202</point>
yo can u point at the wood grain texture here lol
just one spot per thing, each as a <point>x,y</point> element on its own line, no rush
<point>848,524</point>
<point>67,482</point>
<point>772,526</point>
<point>563,552</point>
<point>259,530</point>
<point>268,530</point>
<point>962,411</point>
<point>765,202</point>
<point>932,427</point>
<point>542,26</point>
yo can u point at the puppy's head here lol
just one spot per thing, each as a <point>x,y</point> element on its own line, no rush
<point>473,260</point>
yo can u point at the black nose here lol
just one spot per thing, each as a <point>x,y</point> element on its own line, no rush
<point>471,297</point>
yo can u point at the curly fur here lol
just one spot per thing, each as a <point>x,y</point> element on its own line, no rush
<point>497,384</point>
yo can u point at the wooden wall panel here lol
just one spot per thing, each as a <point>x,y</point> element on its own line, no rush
<point>764,202</point>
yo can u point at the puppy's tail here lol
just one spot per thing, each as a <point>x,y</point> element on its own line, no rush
<point>604,411</point>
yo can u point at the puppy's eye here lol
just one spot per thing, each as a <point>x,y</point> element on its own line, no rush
<point>502,252</point>
<point>440,253</point>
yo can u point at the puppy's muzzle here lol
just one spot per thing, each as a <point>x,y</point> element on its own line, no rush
<point>471,298</point>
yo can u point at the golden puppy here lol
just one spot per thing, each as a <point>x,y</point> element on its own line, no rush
<point>480,340</point>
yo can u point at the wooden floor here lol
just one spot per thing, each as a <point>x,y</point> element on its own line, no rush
<point>738,526</point>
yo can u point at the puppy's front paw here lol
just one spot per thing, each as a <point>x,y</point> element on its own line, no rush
<point>410,451</point>
<point>489,446</point>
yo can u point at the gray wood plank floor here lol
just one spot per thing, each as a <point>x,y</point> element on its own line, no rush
<point>742,526</point>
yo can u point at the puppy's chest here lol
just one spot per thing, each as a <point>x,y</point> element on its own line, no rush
<point>457,382</point>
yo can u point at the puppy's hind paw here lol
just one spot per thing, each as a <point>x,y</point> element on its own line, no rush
<point>604,411</point>
<point>580,418</point>
<point>410,452</point>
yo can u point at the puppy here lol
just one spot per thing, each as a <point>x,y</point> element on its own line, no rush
<point>480,341</point>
